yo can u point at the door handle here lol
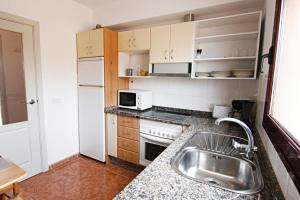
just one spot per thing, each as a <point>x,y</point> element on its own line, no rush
<point>129,41</point>
<point>31,101</point>
<point>171,54</point>
<point>165,54</point>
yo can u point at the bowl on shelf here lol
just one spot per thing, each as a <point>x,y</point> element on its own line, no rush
<point>202,74</point>
<point>221,74</point>
<point>243,73</point>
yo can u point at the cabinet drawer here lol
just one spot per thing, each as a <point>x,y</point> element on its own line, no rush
<point>128,156</point>
<point>130,122</point>
<point>129,133</point>
<point>129,145</point>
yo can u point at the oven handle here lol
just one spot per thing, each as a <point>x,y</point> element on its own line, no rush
<point>156,139</point>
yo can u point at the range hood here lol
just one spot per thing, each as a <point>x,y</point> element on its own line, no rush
<point>172,69</point>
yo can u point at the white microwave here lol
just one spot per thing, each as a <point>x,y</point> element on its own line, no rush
<point>135,99</point>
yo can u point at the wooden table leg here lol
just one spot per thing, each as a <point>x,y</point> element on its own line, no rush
<point>16,189</point>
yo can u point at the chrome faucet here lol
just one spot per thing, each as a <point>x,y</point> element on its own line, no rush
<point>250,148</point>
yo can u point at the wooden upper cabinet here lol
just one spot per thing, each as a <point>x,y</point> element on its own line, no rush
<point>181,42</point>
<point>160,44</point>
<point>90,44</point>
<point>134,40</point>
<point>172,43</point>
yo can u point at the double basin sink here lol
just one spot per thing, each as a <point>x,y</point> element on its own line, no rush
<point>211,158</point>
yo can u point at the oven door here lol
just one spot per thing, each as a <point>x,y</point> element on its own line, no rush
<point>127,100</point>
<point>151,147</point>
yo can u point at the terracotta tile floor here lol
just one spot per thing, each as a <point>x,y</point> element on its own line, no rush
<point>80,179</point>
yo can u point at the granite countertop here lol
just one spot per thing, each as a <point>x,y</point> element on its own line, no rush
<point>159,181</point>
<point>157,114</point>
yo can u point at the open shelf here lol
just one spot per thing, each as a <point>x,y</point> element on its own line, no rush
<point>227,43</point>
<point>224,59</point>
<point>225,78</point>
<point>231,19</point>
<point>232,37</point>
<point>135,60</point>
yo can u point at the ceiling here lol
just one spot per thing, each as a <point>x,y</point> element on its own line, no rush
<point>94,3</point>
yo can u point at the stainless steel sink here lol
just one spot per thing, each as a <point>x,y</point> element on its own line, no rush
<point>231,172</point>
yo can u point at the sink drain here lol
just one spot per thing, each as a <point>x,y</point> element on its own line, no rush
<point>212,181</point>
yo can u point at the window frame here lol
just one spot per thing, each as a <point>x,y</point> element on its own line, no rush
<point>287,148</point>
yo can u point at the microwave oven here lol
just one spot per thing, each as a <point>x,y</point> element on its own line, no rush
<point>135,99</point>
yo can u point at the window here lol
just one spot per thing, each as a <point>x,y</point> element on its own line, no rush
<point>282,111</point>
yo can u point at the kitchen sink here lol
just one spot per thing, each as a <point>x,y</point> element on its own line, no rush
<point>224,169</point>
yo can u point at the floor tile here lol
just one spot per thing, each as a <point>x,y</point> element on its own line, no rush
<point>81,178</point>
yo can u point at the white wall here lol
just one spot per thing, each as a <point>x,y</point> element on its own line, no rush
<point>195,94</point>
<point>120,11</point>
<point>288,188</point>
<point>59,21</point>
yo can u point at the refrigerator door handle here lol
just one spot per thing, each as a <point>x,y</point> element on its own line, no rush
<point>90,59</point>
<point>83,85</point>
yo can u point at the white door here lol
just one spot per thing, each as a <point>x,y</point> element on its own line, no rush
<point>91,122</point>
<point>181,42</point>
<point>19,120</point>
<point>141,39</point>
<point>160,44</point>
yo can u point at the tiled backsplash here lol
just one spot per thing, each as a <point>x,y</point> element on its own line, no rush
<point>195,94</point>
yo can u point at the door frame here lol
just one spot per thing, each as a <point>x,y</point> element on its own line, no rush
<point>38,75</point>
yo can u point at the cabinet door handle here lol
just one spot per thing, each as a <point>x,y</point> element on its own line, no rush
<point>129,43</point>
<point>171,54</point>
<point>133,42</point>
<point>165,54</point>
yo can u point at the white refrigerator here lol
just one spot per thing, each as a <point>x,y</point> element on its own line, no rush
<point>91,107</point>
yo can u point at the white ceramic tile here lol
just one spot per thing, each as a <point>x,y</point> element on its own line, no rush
<point>193,94</point>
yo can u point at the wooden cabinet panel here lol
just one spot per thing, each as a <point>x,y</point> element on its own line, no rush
<point>129,133</point>
<point>125,40</point>
<point>128,156</point>
<point>181,42</point>
<point>134,40</point>
<point>160,44</point>
<point>130,122</point>
<point>83,44</point>
<point>141,39</point>
<point>90,44</point>
<point>128,144</point>
<point>96,43</point>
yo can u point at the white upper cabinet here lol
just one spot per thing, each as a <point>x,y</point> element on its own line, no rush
<point>181,42</point>
<point>172,43</point>
<point>160,44</point>
<point>135,40</point>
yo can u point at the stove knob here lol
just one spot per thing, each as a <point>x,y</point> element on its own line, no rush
<point>158,133</point>
<point>168,135</point>
<point>153,132</point>
<point>163,134</point>
<point>150,131</point>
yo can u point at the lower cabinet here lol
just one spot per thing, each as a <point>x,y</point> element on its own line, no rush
<point>123,137</point>
<point>128,139</point>
<point>128,156</point>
